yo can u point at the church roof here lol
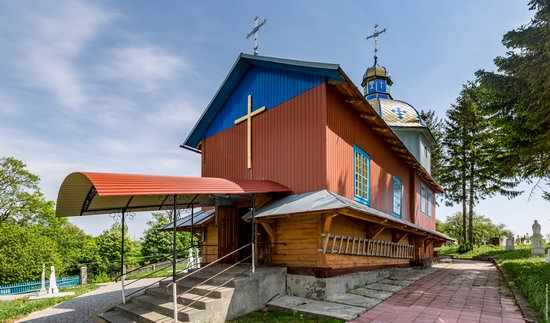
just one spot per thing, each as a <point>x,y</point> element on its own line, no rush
<point>325,200</point>
<point>397,113</point>
<point>334,76</point>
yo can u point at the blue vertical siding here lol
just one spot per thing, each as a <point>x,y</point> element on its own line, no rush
<point>269,87</point>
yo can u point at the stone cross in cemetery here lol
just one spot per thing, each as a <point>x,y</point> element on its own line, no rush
<point>43,281</point>
<point>510,242</point>
<point>53,283</point>
<point>538,249</point>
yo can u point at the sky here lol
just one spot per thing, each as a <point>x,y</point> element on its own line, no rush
<point>116,86</point>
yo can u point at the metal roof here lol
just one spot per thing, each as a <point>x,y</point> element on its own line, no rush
<point>244,61</point>
<point>104,193</point>
<point>324,200</point>
<point>199,218</point>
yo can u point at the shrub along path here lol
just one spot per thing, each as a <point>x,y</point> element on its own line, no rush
<point>465,291</point>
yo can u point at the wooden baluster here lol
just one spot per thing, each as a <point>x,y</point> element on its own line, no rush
<point>341,245</point>
<point>334,238</point>
<point>347,244</point>
<point>352,245</point>
<point>326,243</point>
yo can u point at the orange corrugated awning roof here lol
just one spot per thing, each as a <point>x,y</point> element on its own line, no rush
<point>87,193</point>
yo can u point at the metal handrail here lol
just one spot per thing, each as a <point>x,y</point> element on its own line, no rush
<point>201,297</point>
<point>156,282</point>
<point>155,271</point>
<point>138,268</point>
<point>210,264</point>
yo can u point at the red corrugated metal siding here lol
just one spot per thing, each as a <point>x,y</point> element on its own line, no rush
<point>423,219</point>
<point>288,145</point>
<point>346,128</point>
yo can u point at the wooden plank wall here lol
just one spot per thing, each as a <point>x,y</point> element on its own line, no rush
<point>301,235</point>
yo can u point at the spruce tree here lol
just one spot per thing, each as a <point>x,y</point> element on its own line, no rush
<point>518,98</point>
<point>473,156</point>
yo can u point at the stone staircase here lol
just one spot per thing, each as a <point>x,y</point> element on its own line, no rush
<point>208,302</point>
<point>352,303</point>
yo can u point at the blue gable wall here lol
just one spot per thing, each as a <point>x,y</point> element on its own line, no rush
<point>269,87</point>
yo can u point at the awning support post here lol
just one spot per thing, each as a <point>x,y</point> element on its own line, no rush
<point>253,211</point>
<point>174,288</point>
<point>193,264</point>
<point>122,260</point>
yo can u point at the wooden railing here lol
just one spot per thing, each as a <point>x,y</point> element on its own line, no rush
<point>349,245</point>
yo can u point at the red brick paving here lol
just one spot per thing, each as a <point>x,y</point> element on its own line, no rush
<point>466,291</point>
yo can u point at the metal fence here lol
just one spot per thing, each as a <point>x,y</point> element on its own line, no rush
<point>33,286</point>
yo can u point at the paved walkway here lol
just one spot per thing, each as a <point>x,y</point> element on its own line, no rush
<point>83,307</point>
<point>466,291</point>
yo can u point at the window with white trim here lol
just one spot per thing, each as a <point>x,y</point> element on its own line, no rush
<point>430,202</point>
<point>422,198</point>
<point>361,179</point>
<point>397,196</point>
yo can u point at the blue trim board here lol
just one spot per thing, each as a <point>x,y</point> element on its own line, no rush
<point>396,180</point>
<point>358,198</point>
<point>243,63</point>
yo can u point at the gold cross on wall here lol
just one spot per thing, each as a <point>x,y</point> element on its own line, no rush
<point>248,118</point>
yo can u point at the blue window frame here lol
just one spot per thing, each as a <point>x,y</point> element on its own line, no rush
<point>397,196</point>
<point>361,179</point>
<point>422,199</point>
<point>430,202</point>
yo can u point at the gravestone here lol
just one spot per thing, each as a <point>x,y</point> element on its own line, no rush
<point>53,283</point>
<point>538,249</point>
<point>83,275</point>
<point>43,282</point>
<point>518,240</point>
<point>510,242</point>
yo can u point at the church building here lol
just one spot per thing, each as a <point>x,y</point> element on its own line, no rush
<point>356,164</point>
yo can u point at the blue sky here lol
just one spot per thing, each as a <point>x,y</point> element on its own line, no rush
<point>117,86</point>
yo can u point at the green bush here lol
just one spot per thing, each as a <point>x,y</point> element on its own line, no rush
<point>23,251</point>
<point>465,247</point>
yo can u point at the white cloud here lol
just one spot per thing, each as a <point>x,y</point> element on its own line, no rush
<point>54,37</point>
<point>180,112</point>
<point>146,66</point>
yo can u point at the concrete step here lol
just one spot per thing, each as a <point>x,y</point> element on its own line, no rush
<point>116,317</point>
<point>385,287</point>
<point>161,306</point>
<point>141,314</point>
<point>205,290</point>
<point>373,293</point>
<point>356,300</point>
<point>196,301</point>
<point>199,278</point>
<point>316,308</point>
<point>397,282</point>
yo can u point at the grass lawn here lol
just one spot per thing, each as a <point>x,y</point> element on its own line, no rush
<point>279,317</point>
<point>530,274</point>
<point>159,274</point>
<point>18,308</point>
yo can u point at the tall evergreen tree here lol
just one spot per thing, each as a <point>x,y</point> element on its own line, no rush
<point>518,96</point>
<point>472,165</point>
<point>454,168</point>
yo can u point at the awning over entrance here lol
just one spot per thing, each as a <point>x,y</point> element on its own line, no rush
<point>199,219</point>
<point>103,193</point>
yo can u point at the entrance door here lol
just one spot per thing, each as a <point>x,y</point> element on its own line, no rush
<point>227,232</point>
